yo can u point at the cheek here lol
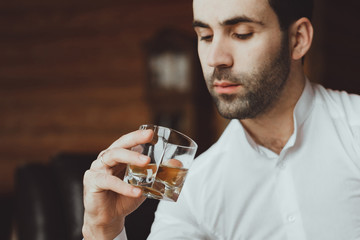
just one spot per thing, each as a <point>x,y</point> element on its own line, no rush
<point>202,52</point>
<point>245,59</point>
<point>256,54</point>
<point>271,45</point>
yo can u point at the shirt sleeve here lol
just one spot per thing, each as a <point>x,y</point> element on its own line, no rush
<point>122,235</point>
<point>185,219</point>
<point>356,132</point>
<point>175,221</point>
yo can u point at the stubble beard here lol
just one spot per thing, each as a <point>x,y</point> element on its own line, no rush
<point>261,88</point>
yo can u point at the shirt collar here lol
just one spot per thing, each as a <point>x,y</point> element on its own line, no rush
<point>304,105</point>
<point>301,111</point>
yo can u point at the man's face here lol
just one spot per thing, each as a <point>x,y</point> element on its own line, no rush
<point>243,53</point>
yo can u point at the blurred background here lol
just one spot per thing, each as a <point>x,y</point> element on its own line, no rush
<point>76,75</point>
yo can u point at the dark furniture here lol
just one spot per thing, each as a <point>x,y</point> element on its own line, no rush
<point>49,202</point>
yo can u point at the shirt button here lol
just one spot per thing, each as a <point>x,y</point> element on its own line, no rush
<point>282,165</point>
<point>291,218</point>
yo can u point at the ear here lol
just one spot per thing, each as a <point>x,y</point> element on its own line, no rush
<point>301,36</point>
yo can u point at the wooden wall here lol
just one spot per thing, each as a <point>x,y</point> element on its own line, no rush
<point>72,74</point>
<point>341,45</point>
<point>334,57</point>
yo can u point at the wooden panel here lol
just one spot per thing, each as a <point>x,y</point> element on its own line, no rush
<point>341,46</point>
<point>72,74</point>
<point>39,124</point>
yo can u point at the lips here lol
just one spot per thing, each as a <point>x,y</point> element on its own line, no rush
<point>226,87</point>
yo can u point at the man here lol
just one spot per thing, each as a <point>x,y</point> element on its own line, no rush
<point>288,164</point>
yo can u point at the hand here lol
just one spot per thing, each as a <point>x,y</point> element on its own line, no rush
<point>107,199</point>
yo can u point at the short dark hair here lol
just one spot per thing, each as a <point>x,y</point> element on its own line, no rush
<point>288,11</point>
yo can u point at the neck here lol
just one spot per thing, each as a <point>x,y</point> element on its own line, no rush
<point>273,128</point>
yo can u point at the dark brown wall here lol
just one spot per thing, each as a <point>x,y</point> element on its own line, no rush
<point>72,74</point>
<point>341,45</point>
<point>334,57</point>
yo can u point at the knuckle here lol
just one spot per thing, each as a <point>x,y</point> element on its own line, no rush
<point>93,164</point>
<point>87,177</point>
<point>109,154</point>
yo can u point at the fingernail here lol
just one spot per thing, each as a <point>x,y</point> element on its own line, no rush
<point>143,158</point>
<point>136,191</point>
<point>146,132</point>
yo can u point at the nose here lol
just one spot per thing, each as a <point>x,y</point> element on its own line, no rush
<point>219,54</point>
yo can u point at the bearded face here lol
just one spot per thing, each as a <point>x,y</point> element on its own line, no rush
<point>260,88</point>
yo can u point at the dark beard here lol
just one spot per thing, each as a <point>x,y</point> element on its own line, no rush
<point>262,88</point>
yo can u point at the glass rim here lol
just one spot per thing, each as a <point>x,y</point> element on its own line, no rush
<point>193,143</point>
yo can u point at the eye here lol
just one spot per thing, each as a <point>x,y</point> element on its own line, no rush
<point>207,38</point>
<point>243,36</point>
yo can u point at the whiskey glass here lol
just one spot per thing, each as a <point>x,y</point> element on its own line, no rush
<point>171,153</point>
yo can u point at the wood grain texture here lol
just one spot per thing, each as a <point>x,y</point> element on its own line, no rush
<point>72,74</point>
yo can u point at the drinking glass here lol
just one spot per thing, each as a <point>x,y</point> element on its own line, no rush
<point>171,154</point>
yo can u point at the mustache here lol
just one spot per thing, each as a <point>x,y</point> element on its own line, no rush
<point>225,74</point>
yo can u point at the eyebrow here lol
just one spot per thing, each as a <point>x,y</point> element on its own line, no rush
<point>199,24</point>
<point>229,22</point>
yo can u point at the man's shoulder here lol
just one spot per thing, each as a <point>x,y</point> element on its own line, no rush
<point>340,104</point>
<point>216,150</point>
<point>343,107</point>
<point>209,154</point>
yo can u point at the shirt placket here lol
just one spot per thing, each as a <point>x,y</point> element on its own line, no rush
<point>288,203</point>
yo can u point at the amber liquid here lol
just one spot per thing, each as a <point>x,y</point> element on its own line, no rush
<point>165,184</point>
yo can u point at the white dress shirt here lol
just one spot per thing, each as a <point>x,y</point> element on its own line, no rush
<point>238,190</point>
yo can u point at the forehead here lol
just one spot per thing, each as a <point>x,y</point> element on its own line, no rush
<point>217,11</point>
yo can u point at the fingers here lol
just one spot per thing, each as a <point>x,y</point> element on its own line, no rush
<point>96,182</point>
<point>134,138</point>
<point>118,152</point>
<point>114,156</point>
<point>173,163</point>
<point>104,189</point>
<point>102,174</point>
